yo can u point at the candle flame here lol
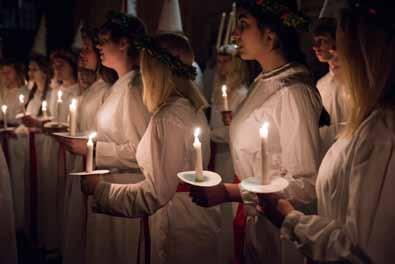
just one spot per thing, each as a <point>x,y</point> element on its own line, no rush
<point>92,136</point>
<point>60,93</point>
<point>4,108</point>
<point>73,104</point>
<point>224,90</point>
<point>197,132</point>
<point>21,98</point>
<point>264,130</point>
<point>44,105</point>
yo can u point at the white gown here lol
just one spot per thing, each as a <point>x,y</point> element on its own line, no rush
<point>8,252</point>
<point>121,122</point>
<point>224,166</point>
<point>333,99</point>
<point>285,98</point>
<point>51,183</point>
<point>181,232</point>
<point>75,204</point>
<point>355,184</point>
<point>17,151</point>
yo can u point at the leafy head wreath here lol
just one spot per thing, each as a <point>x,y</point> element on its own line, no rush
<point>177,67</point>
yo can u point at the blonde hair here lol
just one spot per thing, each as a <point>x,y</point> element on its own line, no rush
<point>160,83</point>
<point>367,57</point>
<point>234,79</point>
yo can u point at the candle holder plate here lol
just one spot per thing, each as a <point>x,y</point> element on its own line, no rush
<point>21,115</point>
<point>253,184</point>
<point>78,135</point>
<point>95,172</point>
<point>210,178</point>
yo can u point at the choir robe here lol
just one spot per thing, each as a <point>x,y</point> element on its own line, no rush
<point>8,252</point>
<point>286,99</point>
<point>75,202</point>
<point>121,122</point>
<point>17,152</point>
<point>51,183</point>
<point>224,165</point>
<point>333,99</point>
<point>181,232</point>
<point>355,220</point>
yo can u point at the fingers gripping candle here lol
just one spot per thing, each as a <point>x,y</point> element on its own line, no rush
<point>89,155</point>
<point>264,133</point>
<point>4,110</point>
<point>197,145</point>
<point>225,96</point>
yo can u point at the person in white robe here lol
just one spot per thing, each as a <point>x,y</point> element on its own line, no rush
<point>232,72</point>
<point>8,250</point>
<point>355,219</point>
<point>329,86</point>
<point>180,232</point>
<point>121,122</point>
<point>284,96</point>
<point>14,86</point>
<point>95,81</point>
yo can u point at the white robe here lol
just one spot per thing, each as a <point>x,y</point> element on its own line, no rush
<point>75,204</point>
<point>224,166</point>
<point>8,252</point>
<point>333,99</point>
<point>181,232</point>
<point>17,151</point>
<point>51,185</point>
<point>121,122</point>
<point>285,98</point>
<point>355,184</point>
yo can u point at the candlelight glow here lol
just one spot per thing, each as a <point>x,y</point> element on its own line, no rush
<point>264,130</point>
<point>44,105</point>
<point>197,132</point>
<point>60,93</point>
<point>4,109</point>
<point>73,104</point>
<point>21,98</point>
<point>92,136</point>
<point>224,90</point>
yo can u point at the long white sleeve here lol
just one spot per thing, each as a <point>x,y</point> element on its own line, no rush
<point>364,230</point>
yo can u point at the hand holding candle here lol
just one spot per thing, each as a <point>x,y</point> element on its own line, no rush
<point>73,117</point>
<point>264,133</point>
<point>89,155</point>
<point>4,110</point>
<point>225,96</point>
<point>197,145</point>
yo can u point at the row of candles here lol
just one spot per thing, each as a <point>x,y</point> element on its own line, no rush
<point>263,133</point>
<point>44,109</point>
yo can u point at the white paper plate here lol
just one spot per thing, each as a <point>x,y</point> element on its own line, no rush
<point>20,115</point>
<point>253,184</point>
<point>78,135</point>
<point>55,125</point>
<point>84,173</point>
<point>210,178</point>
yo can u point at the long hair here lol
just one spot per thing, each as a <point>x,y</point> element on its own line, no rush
<point>234,79</point>
<point>44,66</point>
<point>160,83</point>
<point>367,56</point>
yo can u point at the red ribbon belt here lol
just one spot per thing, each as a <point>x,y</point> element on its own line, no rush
<point>239,226</point>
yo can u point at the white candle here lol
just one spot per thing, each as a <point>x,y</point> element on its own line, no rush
<point>22,102</point>
<point>58,103</point>
<point>4,110</point>
<point>44,109</point>
<point>89,155</point>
<point>221,29</point>
<point>264,133</point>
<point>227,36</point>
<point>232,28</point>
<point>225,96</point>
<point>73,117</point>
<point>198,156</point>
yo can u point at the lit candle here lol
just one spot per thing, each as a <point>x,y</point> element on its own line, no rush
<point>225,96</point>
<point>4,110</point>
<point>89,155</point>
<point>221,29</point>
<point>58,102</point>
<point>197,145</point>
<point>22,103</point>
<point>264,133</point>
<point>44,109</point>
<point>73,117</point>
